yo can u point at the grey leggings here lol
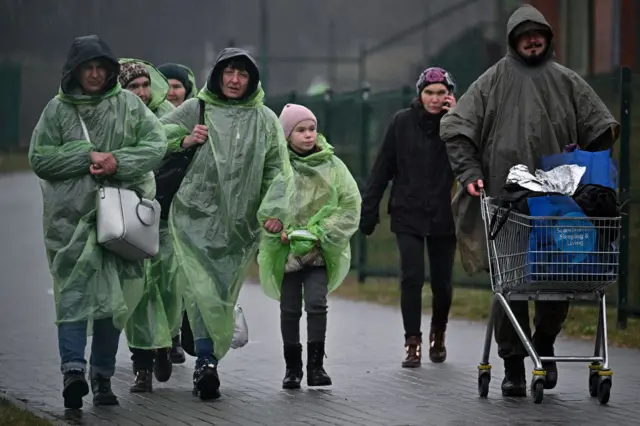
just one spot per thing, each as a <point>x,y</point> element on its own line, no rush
<point>314,280</point>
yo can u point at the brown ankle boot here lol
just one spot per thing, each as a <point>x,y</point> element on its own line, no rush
<point>437,349</point>
<point>413,349</point>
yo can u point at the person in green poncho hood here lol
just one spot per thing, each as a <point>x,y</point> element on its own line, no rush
<point>182,82</point>
<point>238,149</point>
<point>143,79</point>
<point>122,145</point>
<point>158,315</point>
<point>523,108</point>
<point>311,256</point>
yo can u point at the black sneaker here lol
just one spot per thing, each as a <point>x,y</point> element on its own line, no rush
<point>162,367</point>
<point>102,393</point>
<point>514,382</point>
<point>75,388</point>
<point>206,382</point>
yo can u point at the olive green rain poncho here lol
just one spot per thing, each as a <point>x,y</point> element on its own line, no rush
<point>159,89</point>
<point>325,200</point>
<point>213,216</point>
<point>90,282</point>
<point>516,113</point>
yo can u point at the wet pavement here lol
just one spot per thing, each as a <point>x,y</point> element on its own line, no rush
<point>364,350</point>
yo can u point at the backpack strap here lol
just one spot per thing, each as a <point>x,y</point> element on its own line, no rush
<point>201,112</point>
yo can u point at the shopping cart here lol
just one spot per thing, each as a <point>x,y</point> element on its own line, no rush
<point>550,259</point>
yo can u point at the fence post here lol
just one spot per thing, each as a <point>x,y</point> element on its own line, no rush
<point>292,97</point>
<point>364,170</point>
<point>407,95</point>
<point>328,98</point>
<point>625,195</point>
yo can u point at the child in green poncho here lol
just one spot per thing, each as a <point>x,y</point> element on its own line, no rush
<point>306,255</point>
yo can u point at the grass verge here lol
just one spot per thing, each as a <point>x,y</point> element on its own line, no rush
<point>14,416</point>
<point>474,305</point>
<point>14,162</point>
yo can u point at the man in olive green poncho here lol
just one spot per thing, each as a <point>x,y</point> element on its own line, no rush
<point>525,107</point>
<point>123,145</point>
<point>213,216</point>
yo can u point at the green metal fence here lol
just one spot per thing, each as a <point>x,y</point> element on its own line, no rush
<point>10,106</point>
<point>355,122</point>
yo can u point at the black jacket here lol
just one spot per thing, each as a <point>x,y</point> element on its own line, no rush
<point>414,158</point>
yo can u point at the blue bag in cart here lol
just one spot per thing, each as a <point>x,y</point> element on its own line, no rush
<point>562,243</point>
<point>600,167</point>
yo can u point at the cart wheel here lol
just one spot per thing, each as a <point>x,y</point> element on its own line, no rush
<point>537,391</point>
<point>483,384</point>
<point>594,381</point>
<point>604,390</point>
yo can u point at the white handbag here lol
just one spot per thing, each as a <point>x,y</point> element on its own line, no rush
<point>127,224</point>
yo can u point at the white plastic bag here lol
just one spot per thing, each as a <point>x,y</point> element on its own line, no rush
<point>240,329</point>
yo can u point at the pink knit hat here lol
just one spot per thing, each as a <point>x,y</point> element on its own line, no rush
<point>292,115</point>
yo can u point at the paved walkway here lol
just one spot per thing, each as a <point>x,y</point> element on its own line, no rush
<point>364,353</point>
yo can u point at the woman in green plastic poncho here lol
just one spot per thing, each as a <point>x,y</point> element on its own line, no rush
<point>182,82</point>
<point>150,327</point>
<point>312,255</point>
<point>154,92</point>
<point>93,287</point>
<point>213,216</point>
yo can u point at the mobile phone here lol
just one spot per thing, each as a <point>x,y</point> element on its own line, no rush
<point>447,104</point>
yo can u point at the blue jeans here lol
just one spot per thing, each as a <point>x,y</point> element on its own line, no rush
<point>204,352</point>
<point>203,346</point>
<point>72,340</point>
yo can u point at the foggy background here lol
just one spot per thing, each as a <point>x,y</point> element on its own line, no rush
<point>37,34</point>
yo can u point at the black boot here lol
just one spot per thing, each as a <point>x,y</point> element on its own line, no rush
<point>316,376</point>
<point>206,382</point>
<point>143,382</point>
<point>546,349</point>
<point>75,388</point>
<point>437,349</point>
<point>293,362</point>
<point>515,382</point>
<point>177,353</point>
<point>102,393</point>
<point>162,367</point>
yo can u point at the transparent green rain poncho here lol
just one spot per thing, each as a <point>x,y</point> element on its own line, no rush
<point>91,283</point>
<point>159,88</point>
<point>213,216</point>
<point>323,199</point>
<point>159,314</point>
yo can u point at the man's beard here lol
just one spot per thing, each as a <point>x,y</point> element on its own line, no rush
<point>536,58</point>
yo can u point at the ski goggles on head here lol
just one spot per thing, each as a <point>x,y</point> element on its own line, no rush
<point>435,75</point>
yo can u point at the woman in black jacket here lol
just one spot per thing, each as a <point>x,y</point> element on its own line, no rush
<point>414,159</point>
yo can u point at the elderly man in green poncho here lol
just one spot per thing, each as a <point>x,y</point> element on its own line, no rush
<point>525,107</point>
<point>213,216</point>
<point>121,147</point>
